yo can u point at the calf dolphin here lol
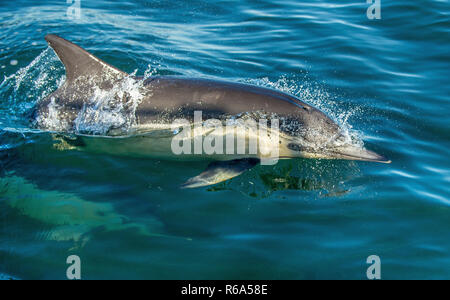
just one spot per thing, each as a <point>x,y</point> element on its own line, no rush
<point>145,125</point>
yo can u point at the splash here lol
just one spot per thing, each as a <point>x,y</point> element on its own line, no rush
<point>317,96</point>
<point>20,91</point>
<point>53,121</point>
<point>103,113</point>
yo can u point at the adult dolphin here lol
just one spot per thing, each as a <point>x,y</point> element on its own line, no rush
<point>304,131</point>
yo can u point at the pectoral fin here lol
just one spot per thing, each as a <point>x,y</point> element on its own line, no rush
<point>219,171</point>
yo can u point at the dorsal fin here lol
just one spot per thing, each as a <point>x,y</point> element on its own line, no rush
<point>78,62</point>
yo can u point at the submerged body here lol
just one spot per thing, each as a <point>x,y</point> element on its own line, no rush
<point>148,110</point>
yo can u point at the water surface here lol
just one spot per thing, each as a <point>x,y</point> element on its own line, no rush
<point>385,80</point>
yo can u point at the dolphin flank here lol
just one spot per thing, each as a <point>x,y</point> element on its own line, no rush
<point>304,131</point>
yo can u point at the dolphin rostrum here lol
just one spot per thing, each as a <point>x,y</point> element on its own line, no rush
<point>136,115</point>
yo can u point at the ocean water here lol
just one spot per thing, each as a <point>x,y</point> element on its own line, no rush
<point>385,80</point>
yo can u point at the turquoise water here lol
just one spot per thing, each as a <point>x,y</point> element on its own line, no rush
<point>385,80</point>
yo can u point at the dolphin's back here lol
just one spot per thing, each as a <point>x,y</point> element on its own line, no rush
<point>180,97</point>
<point>163,98</point>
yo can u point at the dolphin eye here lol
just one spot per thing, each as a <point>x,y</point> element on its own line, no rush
<point>295,147</point>
<point>305,108</point>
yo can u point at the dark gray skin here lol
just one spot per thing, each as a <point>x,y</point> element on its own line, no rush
<point>219,99</point>
<point>167,98</point>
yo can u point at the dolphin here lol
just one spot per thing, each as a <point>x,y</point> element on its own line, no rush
<point>143,116</point>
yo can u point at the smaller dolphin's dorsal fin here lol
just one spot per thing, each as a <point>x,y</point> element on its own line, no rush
<point>78,62</point>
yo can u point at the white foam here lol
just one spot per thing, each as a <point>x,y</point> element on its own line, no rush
<point>103,112</point>
<point>53,120</point>
<point>314,94</point>
<point>21,91</point>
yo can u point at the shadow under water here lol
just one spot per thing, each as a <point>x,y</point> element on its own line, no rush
<point>323,177</point>
<point>71,217</point>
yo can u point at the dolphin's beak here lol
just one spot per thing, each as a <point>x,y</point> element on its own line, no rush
<point>351,152</point>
